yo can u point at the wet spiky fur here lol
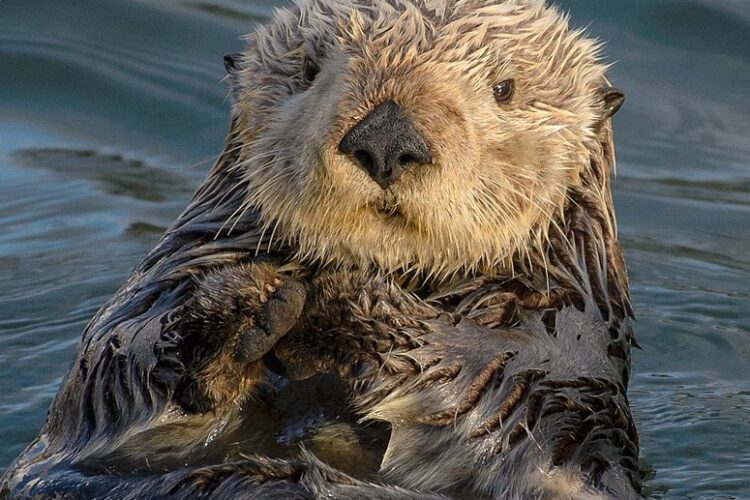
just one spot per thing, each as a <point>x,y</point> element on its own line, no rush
<point>499,174</point>
<point>479,306</point>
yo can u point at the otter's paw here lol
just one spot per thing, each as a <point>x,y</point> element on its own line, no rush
<point>282,302</point>
<point>236,315</point>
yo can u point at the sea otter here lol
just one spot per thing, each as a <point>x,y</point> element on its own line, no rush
<point>414,197</point>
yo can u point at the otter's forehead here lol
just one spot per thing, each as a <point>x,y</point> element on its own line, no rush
<point>474,40</point>
<point>421,23</point>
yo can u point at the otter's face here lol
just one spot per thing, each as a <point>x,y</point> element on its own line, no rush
<point>437,136</point>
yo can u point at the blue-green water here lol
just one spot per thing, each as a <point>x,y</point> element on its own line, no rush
<point>111,110</point>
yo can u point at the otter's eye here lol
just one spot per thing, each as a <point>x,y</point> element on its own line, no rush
<point>503,91</point>
<point>310,70</point>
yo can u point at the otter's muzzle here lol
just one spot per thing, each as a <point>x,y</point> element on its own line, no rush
<point>385,143</point>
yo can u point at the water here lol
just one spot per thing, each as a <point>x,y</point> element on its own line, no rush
<point>111,110</point>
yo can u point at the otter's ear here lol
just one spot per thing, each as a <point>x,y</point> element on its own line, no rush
<point>233,65</point>
<point>612,101</point>
<point>232,62</point>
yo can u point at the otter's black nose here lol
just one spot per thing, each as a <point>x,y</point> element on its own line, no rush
<point>385,143</point>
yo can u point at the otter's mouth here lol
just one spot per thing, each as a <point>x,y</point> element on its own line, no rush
<point>388,209</point>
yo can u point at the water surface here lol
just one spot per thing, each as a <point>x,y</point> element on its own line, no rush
<point>110,112</point>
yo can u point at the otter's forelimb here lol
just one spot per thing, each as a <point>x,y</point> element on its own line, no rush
<point>235,316</point>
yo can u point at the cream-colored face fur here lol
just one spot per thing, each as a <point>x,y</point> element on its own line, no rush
<point>499,170</point>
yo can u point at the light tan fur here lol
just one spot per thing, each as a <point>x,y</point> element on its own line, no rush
<point>500,172</point>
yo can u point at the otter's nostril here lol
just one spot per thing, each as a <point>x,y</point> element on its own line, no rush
<point>405,159</point>
<point>365,160</point>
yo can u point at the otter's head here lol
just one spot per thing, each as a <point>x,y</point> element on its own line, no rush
<point>432,135</point>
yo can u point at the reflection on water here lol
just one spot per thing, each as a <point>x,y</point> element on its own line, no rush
<point>115,175</point>
<point>111,111</point>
